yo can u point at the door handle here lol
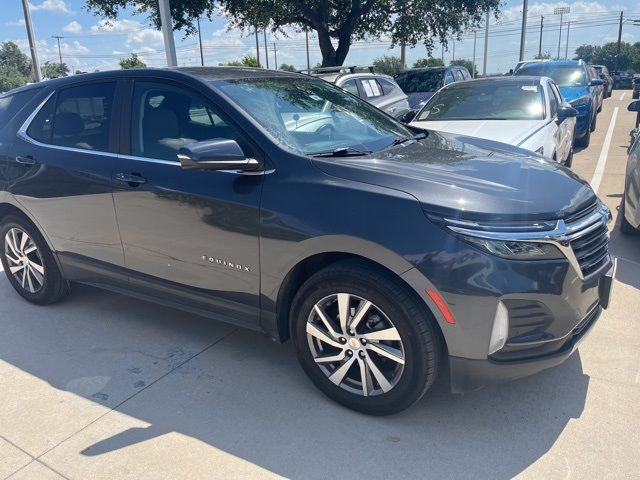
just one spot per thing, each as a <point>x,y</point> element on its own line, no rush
<point>133,179</point>
<point>28,160</point>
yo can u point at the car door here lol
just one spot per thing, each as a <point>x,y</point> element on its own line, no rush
<point>189,236</point>
<point>564,129</point>
<point>66,150</point>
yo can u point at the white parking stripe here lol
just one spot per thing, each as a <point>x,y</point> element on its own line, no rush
<point>623,95</point>
<point>604,153</point>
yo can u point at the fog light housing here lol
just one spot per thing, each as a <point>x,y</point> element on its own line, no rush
<point>500,329</point>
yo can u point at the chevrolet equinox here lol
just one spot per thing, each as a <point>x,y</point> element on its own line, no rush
<point>281,203</point>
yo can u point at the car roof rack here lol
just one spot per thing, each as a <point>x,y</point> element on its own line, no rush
<point>345,69</point>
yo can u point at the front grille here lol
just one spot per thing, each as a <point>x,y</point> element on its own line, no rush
<point>590,244</point>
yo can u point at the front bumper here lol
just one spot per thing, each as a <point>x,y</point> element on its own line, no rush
<point>469,374</point>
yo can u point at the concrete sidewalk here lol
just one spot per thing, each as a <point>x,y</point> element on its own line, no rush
<point>104,386</point>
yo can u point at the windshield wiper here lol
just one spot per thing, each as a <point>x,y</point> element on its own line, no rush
<point>417,136</point>
<point>342,152</point>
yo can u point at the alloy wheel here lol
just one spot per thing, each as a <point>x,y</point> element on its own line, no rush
<point>355,344</point>
<point>24,260</point>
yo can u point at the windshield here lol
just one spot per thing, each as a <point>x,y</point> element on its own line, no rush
<point>312,116</point>
<point>420,80</point>
<point>486,101</point>
<point>564,76</point>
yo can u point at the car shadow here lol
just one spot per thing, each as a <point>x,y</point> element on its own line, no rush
<point>626,249</point>
<point>243,394</point>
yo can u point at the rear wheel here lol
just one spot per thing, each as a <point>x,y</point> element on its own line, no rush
<point>364,340</point>
<point>625,227</point>
<point>594,122</point>
<point>29,263</point>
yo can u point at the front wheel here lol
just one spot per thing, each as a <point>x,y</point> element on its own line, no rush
<point>569,160</point>
<point>583,142</point>
<point>29,263</point>
<point>625,227</point>
<point>364,340</point>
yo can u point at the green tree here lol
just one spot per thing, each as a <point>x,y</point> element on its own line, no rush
<point>132,62</point>
<point>246,61</point>
<point>428,62</point>
<point>11,77</point>
<point>606,55</point>
<point>55,70</point>
<point>11,56</point>
<point>468,64</point>
<point>287,68</point>
<point>339,20</point>
<point>387,64</point>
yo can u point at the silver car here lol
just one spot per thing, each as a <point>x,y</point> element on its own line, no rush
<point>379,90</point>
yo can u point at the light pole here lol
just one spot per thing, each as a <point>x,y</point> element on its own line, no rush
<point>473,64</point>
<point>167,32</point>
<point>566,50</point>
<point>560,11</point>
<point>486,46</point>
<point>523,34</point>
<point>540,44</point>
<point>32,41</point>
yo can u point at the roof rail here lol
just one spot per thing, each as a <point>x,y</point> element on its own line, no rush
<point>345,69</point>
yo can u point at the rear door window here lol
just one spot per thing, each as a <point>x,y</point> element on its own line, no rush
<point>387,87</point>
<point>371,88</point>
<point>78,117</point>
<point>457,74</point>
<point>448,77</point>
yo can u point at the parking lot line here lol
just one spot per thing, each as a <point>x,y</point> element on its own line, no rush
<point>604,153</point>
<point>623,95</point>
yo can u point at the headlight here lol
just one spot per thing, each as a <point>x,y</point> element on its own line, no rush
<point>516,250</point>
<point>578,102</point>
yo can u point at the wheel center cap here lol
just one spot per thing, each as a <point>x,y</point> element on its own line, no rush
<point>354,343</point>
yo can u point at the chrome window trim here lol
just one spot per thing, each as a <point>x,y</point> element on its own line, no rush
<point>560,236</point>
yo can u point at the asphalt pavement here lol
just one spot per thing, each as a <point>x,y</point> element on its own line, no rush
<point>103,386</point>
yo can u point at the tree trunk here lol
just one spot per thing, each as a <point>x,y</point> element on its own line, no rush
<point>332,57</point>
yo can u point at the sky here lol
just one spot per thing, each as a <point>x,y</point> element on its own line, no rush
<point>91,43</point>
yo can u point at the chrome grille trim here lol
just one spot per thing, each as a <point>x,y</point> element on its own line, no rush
<point>563,235</point>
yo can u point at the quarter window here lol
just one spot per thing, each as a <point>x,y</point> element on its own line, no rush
<point>351,87</point>
<point>371,88</point>
<point>458,75</point>
<point>167,117</point>
<point>448,78</point>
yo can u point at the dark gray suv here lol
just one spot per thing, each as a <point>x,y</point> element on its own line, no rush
<point>283,204</point>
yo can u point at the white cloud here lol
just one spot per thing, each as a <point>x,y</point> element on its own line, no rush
<point>547,8</point>
<point>145,38</point>
<point>48,51</point>
<point>138,36</point>
<point>58,6</point>
<point>73,27</point>
<point>16,23</point>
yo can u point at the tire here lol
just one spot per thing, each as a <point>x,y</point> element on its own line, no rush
<point>594,122</point>
<point>392,306</point>
<point>40,281</point>
<point>625,227</point>
<point>599,108</point>
<point>635,95</point>
<point>583,142</point>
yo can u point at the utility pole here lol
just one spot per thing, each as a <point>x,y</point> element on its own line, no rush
<point>403,57</point>
<point>32,41</point>
<point>540,44</point>
<point>619,41</point>
<point>275,54</point>
<point>306,38</point>
<point>486,46</point>
<point>167,32</point>
<point>200,43</point>
<point>560,11</point>
<point>523,34</point>
<point>566,49</point>
<point>473,64</point>
<point>58,38</point>
<point>442,48</point>
<point>266,50</point>
<point>453,52</point>
<point>257,48</point>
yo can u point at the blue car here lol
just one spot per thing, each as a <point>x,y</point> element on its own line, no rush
<point>577,87</point>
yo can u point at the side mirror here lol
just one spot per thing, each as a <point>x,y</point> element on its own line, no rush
<point>216,154</point>
<point>634,106</point>
<point>408,116</point>
<point>595,82</point>
<point>565,111</point>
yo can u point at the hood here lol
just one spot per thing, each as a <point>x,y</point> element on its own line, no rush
<point>467,177</point>
<point>571,93</point>
<point>417,98</point>
<point>513,132</point>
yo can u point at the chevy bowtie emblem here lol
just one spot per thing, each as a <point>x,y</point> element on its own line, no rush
<point>226,263</point>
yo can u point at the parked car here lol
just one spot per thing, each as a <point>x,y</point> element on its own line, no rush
<point>377,89</point>
<point>621,80</point>
<point>577,87</point>
<point>636,87</point>
<point>599,88</point>
<point>388,254</point>
<point>421,83</point>
<point>527,112</point>
<point>630,207</point>
<point>605,76</point>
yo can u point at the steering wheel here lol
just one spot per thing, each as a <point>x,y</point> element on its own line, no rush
<point>327,129</point>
